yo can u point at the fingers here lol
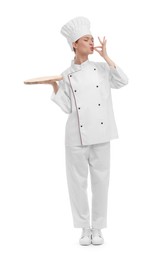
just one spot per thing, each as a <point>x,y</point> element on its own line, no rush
<point>53,83</point>
<point>100,40</point>
<point>98,47</point>
<point>97,50</point>
<point>104,40</point>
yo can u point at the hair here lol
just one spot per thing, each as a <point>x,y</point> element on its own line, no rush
<point>73,47</point>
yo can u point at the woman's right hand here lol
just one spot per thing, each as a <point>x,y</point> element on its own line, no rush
<point>54,84</point>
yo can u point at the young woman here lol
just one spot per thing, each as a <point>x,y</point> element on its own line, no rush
<point>85,94</point>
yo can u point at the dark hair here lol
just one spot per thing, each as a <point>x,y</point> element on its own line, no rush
<point>73,47</point>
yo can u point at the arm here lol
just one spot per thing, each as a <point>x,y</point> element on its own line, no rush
<point>109,61</point>
<point>61,96</point>
<point>116,76</point>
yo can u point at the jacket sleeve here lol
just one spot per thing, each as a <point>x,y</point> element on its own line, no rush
<point>117,77</point>
<point>62,97</point>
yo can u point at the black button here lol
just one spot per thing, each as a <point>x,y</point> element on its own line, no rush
<point>75,91</point>
<point>78,107</point>
<point>101,122</point>
<point>98,104</point>
<point>70,75</point>
<point>94,68</point>
<point>97,86</point>
<point>81,125</point>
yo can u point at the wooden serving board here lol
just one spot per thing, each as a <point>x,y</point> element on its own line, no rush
<point>43,80</point>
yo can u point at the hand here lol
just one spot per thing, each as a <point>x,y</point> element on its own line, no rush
<point>54,84</point>
<point>103,51</point>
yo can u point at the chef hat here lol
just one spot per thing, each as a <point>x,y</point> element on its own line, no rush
<point>75,29</point>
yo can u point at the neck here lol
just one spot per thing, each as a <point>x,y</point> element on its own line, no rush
<point>78,59</point>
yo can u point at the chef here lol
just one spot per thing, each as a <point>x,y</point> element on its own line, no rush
<point>85,94</point>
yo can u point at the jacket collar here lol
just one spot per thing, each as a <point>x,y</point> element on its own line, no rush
<point>76,67</point>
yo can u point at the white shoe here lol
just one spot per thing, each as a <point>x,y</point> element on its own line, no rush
<point>85,239</point>
<point>97,237</point>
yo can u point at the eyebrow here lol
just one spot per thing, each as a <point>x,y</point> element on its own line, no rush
<point>89,37</point>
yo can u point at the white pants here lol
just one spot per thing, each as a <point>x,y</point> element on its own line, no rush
<point>97,156</point>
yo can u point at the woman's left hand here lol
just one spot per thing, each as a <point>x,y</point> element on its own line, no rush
<point>103,51</point>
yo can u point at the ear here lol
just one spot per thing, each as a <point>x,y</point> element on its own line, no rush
<point>74,44</point>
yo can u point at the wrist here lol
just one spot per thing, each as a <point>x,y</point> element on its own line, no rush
<point>106,57</point>
<point>109,61</point>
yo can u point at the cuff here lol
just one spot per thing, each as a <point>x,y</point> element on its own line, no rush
<point>118,73</point>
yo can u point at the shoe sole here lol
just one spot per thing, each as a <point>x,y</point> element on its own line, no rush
<point>85,244</point>
<point>97,244</point>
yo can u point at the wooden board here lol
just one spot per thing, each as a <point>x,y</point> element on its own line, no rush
<point>43,80</point>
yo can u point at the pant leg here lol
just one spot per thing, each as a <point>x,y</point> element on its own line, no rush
<point>99,165</point>
<point>77,173</point>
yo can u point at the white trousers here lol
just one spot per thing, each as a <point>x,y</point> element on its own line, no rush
<point>78,158</point>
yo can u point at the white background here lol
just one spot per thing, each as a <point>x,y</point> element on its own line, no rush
<point>35,214</point>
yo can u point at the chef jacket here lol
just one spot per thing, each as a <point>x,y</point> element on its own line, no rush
<point>85,95</point>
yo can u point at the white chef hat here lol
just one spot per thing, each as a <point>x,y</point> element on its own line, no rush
<point>75,29</point>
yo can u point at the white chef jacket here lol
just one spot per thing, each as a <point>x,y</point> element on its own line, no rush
<point>85,94</point>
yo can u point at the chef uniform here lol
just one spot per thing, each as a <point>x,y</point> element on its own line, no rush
<point>85,94</point>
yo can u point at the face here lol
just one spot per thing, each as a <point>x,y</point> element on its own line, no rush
<point>85,45</point>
